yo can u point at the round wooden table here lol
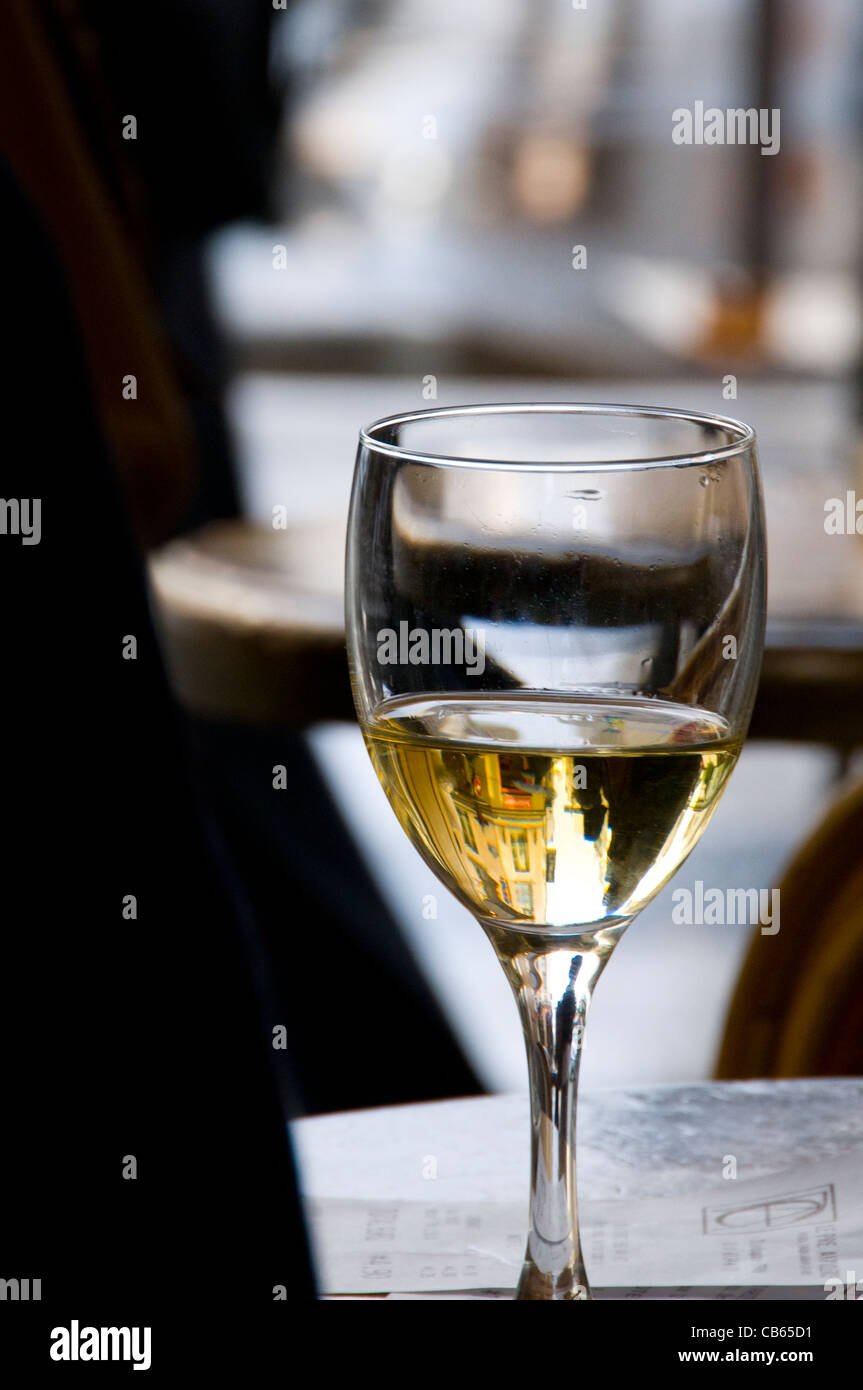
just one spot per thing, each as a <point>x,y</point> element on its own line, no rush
<point>253,630</point>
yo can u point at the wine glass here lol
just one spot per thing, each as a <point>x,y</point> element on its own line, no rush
<point>555,619</point>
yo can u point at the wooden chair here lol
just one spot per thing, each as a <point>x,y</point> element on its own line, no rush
<point>798,1006</point>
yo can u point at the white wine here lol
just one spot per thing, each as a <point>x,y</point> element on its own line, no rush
<point>552,811</point>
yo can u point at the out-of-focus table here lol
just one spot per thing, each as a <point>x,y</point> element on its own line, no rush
<point>252,616</point>
<point>649,1142</point>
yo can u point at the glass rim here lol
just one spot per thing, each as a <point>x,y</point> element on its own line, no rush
<point>744,436</point>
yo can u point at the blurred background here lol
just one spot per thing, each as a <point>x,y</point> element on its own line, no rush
<point>366,206</point>
<point>438,169</point>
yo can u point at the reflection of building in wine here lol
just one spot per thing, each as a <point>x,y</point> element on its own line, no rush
<point>503,824</point>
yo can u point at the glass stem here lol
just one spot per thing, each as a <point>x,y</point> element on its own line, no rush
<point>553,987</point>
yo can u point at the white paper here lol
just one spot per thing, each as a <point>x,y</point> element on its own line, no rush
<point>799,1228</point>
